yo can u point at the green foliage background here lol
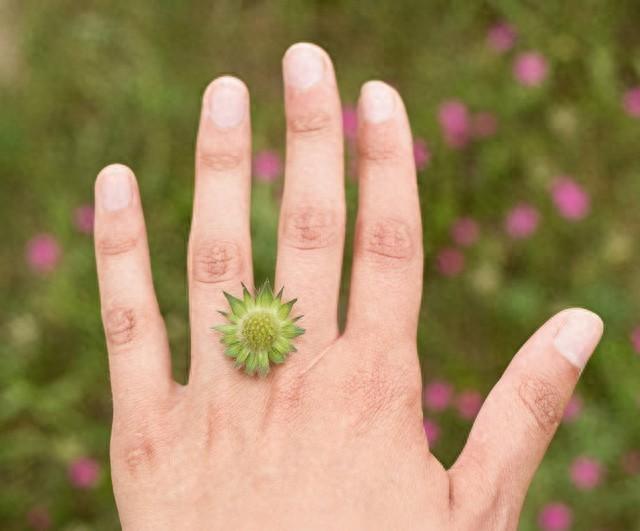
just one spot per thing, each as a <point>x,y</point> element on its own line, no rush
<point>83,84</point>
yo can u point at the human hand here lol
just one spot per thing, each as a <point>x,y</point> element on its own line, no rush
<point>332,439</point>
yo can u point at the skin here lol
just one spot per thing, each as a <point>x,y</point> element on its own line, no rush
<point>332,439</point>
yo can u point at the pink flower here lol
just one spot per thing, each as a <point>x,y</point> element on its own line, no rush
<point>350,122</point>
<point>450,262</point>
<point>573,409</point>
<point>38,518</point>
<point>421,153</point>
<point>522,221</point>
<point>437,395</point>
<point>570,199</point>
<point>43,253</point>
<point>632,102</point>
<point>84,472</point>
<point>465,231</point>
<point>484,125</point>
<point>267,166</point>
<point>631,462</point>
<point>555,517</point>
<point>635,339</point>
<point>83,219</point>
<point>586,473</point>
<point>454,122</point>
<point>432,431</point>
<point>530,69</point>
<point>501,37</point>
<point>468,404</point>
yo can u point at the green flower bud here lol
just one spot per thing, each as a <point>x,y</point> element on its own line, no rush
<point>260,329</point>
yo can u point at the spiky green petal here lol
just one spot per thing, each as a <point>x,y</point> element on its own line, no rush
<point>233,351</point>
<point>263,363</point>
<point>281,344</point>
<point>276,356</point>
<point>230,339</point>
<point>285,309</point>
<point>226,328</point>
<point>242,356</point>
<point>291,331</point>
<point>259,329</point>
<point>246,296</point>
<point>237,306</point>
<point>251,363</point>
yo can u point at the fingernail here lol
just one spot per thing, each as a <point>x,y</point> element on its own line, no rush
<point>227,102</point>
<point>578,337</point>
<point>115,188</point>
<point>378,102</point>
<point>303,66</point>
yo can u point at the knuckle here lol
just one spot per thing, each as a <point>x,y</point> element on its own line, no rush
<point>310,228</point>
<point>117,244</point>
<point>286,401</point>
<point>216,261</point>
<point>542,400</point>
<point>379,147</point>
<point>142,439</point>
<point>139,456</point>
<point>292,395</point>
<point>387,242</point>
<point>218,161</point>
<point>213,421</point>
<point>122,326</point>
<point>310,122</point>
<point>379,391</point>
<point>136,454</point>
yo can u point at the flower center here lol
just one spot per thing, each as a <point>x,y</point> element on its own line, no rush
<point>259,330</point>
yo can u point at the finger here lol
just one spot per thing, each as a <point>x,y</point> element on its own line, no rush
<point>386,283</point>
<point>139,358</point>
<point>521,414</point>
<point>311,232</point>
<point>219,257</point>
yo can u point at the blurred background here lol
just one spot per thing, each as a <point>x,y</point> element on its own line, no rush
<point>526,118</point>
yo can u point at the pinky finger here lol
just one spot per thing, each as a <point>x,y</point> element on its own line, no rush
<point>139,359</point>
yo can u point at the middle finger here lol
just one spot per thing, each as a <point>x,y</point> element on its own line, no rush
<point>312,219</point>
